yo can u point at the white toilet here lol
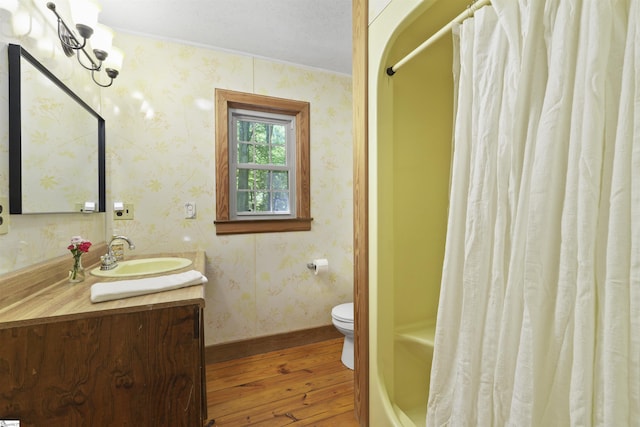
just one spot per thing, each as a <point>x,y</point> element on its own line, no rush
<point>342,317</point>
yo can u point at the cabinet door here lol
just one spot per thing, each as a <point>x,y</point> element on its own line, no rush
<point>176,360</point>
<point>137,369</point>
<point>86,372</point>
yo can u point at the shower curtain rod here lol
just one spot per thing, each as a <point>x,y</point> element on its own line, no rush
<point>468,13</point>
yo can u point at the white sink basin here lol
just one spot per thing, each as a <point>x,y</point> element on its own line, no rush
<point>143,267</point>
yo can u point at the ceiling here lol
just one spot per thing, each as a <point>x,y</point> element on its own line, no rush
<point>314,33</point>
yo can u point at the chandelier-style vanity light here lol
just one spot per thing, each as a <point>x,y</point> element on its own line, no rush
<point>85,15</point>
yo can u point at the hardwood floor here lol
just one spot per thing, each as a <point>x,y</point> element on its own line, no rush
<point>300,386</point>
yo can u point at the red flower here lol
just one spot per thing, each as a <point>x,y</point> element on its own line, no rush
<point>79,246</point>
<point>84,246</point>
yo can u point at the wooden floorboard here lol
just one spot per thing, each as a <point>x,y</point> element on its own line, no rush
<point>300,386</point>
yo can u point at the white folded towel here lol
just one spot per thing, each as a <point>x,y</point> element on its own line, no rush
<point>106,291</point>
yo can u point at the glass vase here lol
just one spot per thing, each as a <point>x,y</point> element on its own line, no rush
<point>76,274</point>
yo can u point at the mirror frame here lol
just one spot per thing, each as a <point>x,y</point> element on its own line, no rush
<point>16,52</point>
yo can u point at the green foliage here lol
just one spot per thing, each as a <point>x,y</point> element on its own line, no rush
<point>264,144</point>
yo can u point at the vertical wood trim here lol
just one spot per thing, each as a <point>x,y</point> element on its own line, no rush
<point>222,156</point>
<point>303,158</point>
<point>360,210</point>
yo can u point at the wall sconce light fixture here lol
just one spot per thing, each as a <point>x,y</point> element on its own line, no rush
<point>85,15</point>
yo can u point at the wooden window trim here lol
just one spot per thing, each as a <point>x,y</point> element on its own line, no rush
<point>226,99</point>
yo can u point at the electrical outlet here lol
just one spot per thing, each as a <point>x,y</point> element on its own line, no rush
<point>4,215</point>
<point>190,210</point>
<point>125,213</point>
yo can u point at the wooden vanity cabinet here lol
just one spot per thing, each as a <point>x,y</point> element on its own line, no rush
<point>143,367</point>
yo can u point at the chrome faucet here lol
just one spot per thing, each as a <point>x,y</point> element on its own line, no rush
<point>109,261</point>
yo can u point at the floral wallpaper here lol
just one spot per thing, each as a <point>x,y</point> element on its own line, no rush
<point>36,237</point>
<point>160,154</point>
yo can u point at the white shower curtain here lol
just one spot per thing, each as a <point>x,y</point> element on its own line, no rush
<point>539,316</point>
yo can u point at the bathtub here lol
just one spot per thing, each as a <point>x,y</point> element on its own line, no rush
<point>410,128</point>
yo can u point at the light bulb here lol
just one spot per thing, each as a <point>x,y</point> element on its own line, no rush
<point>21,23</point>
<point>101,39</point>
<point>9,5</point>
<point>84,14</point>
<point>114,60</point>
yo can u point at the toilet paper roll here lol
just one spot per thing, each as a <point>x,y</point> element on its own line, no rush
<point>320,266</point>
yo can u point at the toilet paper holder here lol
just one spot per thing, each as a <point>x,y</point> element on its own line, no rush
<point>318,266</point>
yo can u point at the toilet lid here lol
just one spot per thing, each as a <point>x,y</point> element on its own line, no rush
<point>343,312</point>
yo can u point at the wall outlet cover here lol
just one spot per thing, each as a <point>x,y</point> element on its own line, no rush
<point>126,213</point>
<point>4,215</point>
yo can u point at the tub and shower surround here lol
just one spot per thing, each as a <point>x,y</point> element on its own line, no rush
<point>558,199</point>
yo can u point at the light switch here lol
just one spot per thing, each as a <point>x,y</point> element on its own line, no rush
<point>190,210</point>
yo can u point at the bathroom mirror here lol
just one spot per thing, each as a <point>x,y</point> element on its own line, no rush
<point>56,143</point>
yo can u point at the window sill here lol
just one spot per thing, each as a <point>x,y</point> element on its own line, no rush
<point>262,226</point>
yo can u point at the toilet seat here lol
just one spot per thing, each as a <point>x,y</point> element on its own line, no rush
<point>343,312</point>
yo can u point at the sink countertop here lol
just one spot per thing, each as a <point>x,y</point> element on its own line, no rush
<point>60,300</point>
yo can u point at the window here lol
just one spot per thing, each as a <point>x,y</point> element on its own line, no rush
<point>262,164</point>
<point>262,160</point>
